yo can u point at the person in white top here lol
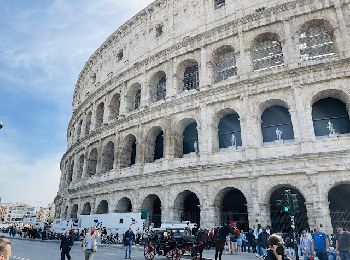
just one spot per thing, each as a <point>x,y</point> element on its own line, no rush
<point>90,244</point>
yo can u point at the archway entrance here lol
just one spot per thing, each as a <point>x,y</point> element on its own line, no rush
<point>124,205</point>
<point>86,209</point>
<point>102,207</point>
<point>74,212</point>
<point>233,207</point>
<point>187,203</point>
<point>153,206</point>
<point>281,220</point>
<point>339,205</point>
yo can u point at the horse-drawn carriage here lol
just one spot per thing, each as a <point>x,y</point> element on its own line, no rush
<point>172,243</point>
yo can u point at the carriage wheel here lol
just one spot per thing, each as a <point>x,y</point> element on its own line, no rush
<point>174,254</point>
<point>149,251</point>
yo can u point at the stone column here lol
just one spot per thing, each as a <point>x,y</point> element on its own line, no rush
<point>171,82</point>
<point>123,100</point>
<point>295,122</point>
<point>75,167</point>
<point>344,38</point>
<point>145,93</point>
<point>85,165</point>
<point>204,134</point>
<point>243,63</point>
<point>322,215</point>
<point>204,75</point>
<point>168,141</point>
<point>99,165</point>
<point>304,116</point>
<point>291,51</point>
<point>116,162</point>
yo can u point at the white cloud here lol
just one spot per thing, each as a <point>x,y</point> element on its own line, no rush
<point>31,181</point>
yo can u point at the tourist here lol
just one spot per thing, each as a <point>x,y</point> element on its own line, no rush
<point>263,242</point>
<point>320,244</point>
<point>305,245</point>
<point>66,245</point>
<point>90,243</point>
<point>5,249</point>
<point>343,243</point>
<point>276,248</point>
<point>128,239</point>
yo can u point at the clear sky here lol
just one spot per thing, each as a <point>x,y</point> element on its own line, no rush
<point>43,46</point>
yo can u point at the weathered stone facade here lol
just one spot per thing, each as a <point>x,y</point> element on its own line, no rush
<point>170,36</point>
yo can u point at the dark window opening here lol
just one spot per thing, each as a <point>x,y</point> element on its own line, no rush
<point>190,139</point>
<point>137,99</point>
<point>330,110</point>
<point>120,55</point>
<point>159,30</point>
<point>160,89</point>
<point>230,131</point>
<point>274,119</point>
<point>219,3</point>
<point>159,146</point>
<point>133,154</point>
<point>191,210</point>
<point>339,206</point>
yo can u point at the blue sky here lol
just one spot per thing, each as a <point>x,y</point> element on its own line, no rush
<point>43,46</point>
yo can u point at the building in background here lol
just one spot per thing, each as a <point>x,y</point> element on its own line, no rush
<point>16,212</point>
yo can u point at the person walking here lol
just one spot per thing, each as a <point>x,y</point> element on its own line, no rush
<point>129,237</point>
<point>276,248</point>
<point>90,243</point>
<point>220,235</point>
<point>66,245</point>
<point>343,243</point>
<point>262,242</point>
<point>305,245</point>
<point>5,249</point>
<point>320,244</point>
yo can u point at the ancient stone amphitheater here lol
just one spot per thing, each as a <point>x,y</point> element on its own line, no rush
<point>209,110</point>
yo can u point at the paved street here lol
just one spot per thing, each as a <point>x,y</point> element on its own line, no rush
<point>41,250</point>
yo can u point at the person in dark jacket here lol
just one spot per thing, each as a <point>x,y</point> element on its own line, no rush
<point>250,240</point>
<point>276,248</point>
<point>128,239</point>
<point>220,238</point>
<point>66,245</point>
<point>263,242</point>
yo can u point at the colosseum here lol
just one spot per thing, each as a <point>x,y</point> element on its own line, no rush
<point>208,111</point>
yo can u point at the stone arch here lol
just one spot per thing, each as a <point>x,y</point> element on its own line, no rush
<point>330,106</point>
<point>99,115</point>
<point>280,220</point>
<point>74,211</point>
<point>86,209</point>
<point>80,125</point>
<point>179,138</point>
<point>102,207</point>
<point>133,97</point>
<point>276,124</point>
<point>267,51</point>
<point>154,144</point>
<point>224,62</point>
<point>92,163</point>
<point>339,206</point>
<point>114,107</point>
<point>187,207</point>
<point>80,166</point>
<point>226,123</point>
<point>107,161</point>
<point>70,172</point>
<point>124,205</point>
<point>153,205</point>
<point>231,205</point>
<point>88,123</point>
<point>187,75</point>
<point>316,40</point>
<point>158,86</point>
<point>128,156</point>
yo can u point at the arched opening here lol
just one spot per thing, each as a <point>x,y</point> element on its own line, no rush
<point>191,78</point>
<point>102,208</point>
<point>316,40</point>
<point>108,157</point>
<point>79,130</point>
<point>128,157</point>
<point>74,211</point>
<point>188,206</point>
<point>133,97</point>
<point>154,145</point>
<point>86,209</point>
<point>280,219</point>
<point>80,167</point>
<point>190,139</point>
<point>137,100</point>
<point>158,86</point>
<point>124,206</point>
<point>70,172</point>
<point>267,52</point>
<point>229,131</point>
<point>339,205</point>
<point>88,123</point>
<point>153,206</point>
<point>276,124</point>
<point>99,115</point>
<point>114,107</point>
<point>224,63</point>
<point>92,163</point>
<point>233,207</point>
<point>330,116</point>
<point>159,146</point>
